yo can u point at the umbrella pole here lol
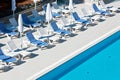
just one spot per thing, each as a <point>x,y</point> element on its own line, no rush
<point>56,1</point>
<point>48,27</point>
<point>71,21</point>
<point>13,13</point>
<point>21,40</point>
<point>48,31</point>
<point>35,6</point>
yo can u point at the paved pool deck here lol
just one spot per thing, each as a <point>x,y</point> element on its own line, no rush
<point>49,59</point>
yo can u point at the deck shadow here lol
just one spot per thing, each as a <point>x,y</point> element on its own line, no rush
<point>61,40</point>
<point>19,62</point>
<point>101,20</point>
<point>6,69</point>
<point>33,55</point>
<point>1,45</point>
<point>83,29</point>
<point>2,37</point>
<point>112,15</point>
<point>94,24</point>
<point>32,50</point>
<point>50,46</point>
<point>73,34</point>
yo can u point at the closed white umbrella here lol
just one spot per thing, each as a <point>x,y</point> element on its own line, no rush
<point>70,5</point>
<point>20,23</point>
<point>70,9</point>
<point>56,1</point>
<point>35,1</point>
<point>92,0</point>
<point>48,14</point>
<point>13,6</point>
<point>20,27</point>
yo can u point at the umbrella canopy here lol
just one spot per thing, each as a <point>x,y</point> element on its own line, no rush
<point>20,23</point>
<point>13,6</point>
<point>70,5</point>
<point>48,13</point>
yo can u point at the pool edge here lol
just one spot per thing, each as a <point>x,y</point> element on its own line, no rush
<point>78,51</point>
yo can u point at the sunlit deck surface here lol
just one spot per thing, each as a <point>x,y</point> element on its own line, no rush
<point>48,59</point>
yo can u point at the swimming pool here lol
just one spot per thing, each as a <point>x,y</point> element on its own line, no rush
<point>100,62</point>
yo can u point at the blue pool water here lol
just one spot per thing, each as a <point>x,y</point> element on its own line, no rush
<point>100,62</point>
<point>105,65</point>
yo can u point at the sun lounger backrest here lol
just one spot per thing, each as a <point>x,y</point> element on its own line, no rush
<point>42,31</point>
<point>11,45</point>
<point>3,56</point>
<point>13,21</point>
<point>45,8</point>
<point>75,15</point>
<point>64,21</point>
<point>6,58</point>
<point>54,26</point>
<point>3,29</point>
<point>30,36</point>
<point>26,19</point>
<point>102,3</point>
<point>54,4</point>
<point>35,13</point>
<point>84,11</point>
<point>95,7</point>
<point>1,52</point>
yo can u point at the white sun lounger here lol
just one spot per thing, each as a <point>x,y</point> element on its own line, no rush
<point>45,35</point>
<point>92,17</point>
<point>111,8</point>
<point>13,49</point>
<point>14,23</point>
